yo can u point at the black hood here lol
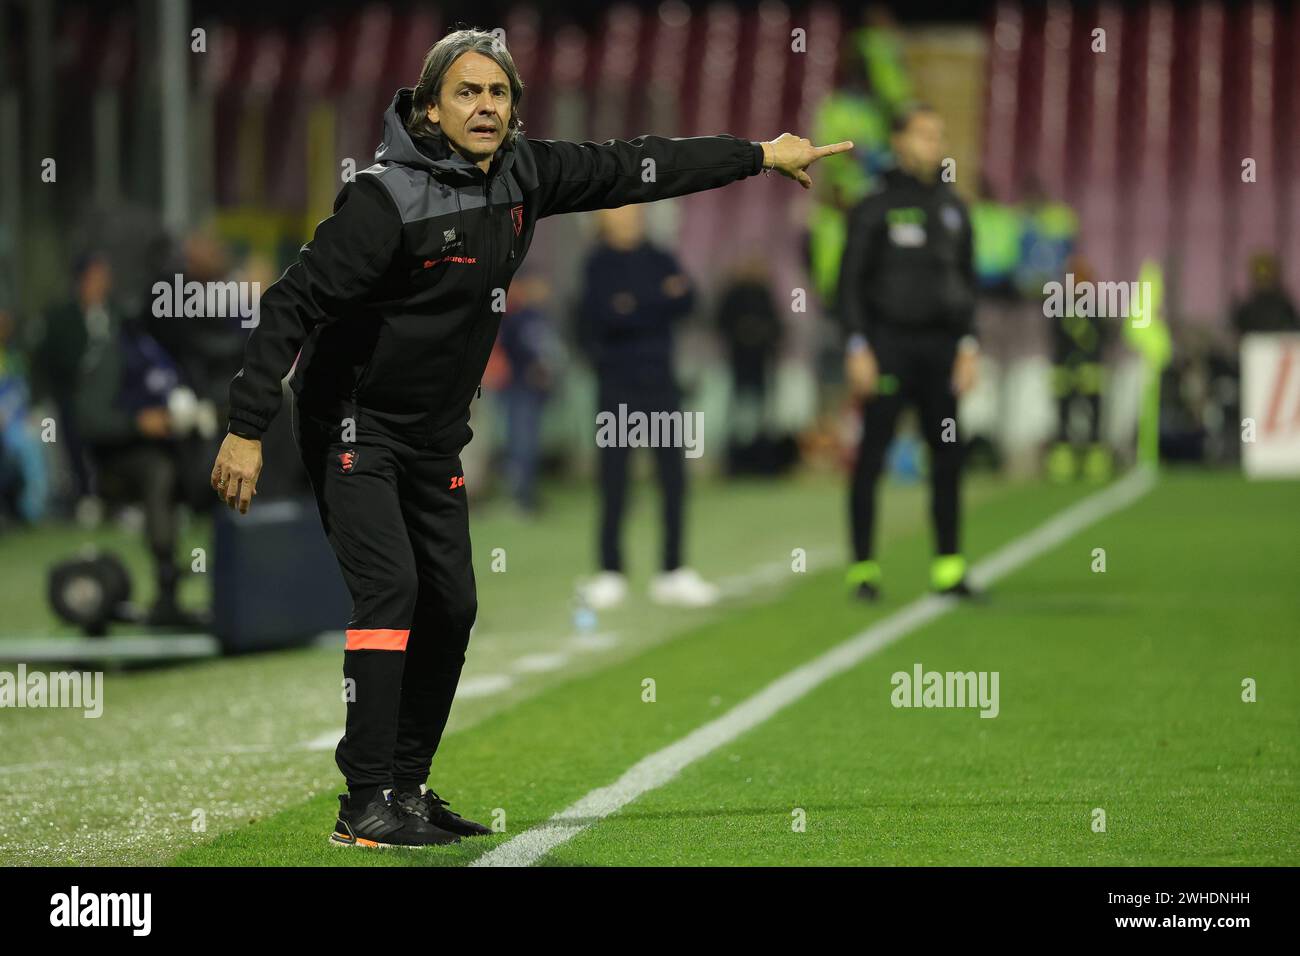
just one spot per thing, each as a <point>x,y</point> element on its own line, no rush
<point>433,153</point>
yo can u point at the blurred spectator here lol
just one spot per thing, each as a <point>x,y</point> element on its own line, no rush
<point>208,351</point>
<point>1183,400</point>
<point>849,113</point>
<point>1077,378</point>
<point>58,352</point>
<point>1267,307</point>
<point>998,234</point>
<point>124,399</point>
<point>633,292</point>
<point>1049,234</point>
<point>23,483</point>
<point>880,43</point>
<point>751,327</point>
<point>528,339</point>
<point>1005,320</point>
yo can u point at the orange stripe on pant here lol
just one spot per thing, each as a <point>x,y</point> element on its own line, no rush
<point>377,639</point>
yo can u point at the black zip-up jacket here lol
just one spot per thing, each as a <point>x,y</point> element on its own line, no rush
<point>908,262</point>
<point>395,301</point>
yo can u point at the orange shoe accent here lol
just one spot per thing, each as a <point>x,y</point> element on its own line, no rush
<point>377,639</point>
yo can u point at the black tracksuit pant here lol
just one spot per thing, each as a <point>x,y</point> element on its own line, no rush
<point>916,368</point>
<point>670,465</point>
<point>397,520</point>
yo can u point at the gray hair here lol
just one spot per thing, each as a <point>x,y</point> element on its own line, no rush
<point>439,60</point>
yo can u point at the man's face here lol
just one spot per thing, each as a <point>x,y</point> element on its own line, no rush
<point>919,147</point>
<point>95,282</point>
<point>473,107</point>
<point>622,228</point>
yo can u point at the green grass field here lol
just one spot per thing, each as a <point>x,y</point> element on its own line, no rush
<point>1119,691</point>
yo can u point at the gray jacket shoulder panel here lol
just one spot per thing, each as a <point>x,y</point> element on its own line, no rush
<point>416,194</point>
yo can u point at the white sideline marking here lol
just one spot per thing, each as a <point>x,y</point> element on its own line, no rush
<point>593,642</point>
<point>483,685</point>
<point>540,663</point>
<point>142,647</point>
<point>660,767</point>
<point>486,685</point>
<point>326,741</point>
<point>774,572</point>
<point>737,585</point>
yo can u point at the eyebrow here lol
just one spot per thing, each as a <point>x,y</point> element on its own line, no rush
<point>495,84</point>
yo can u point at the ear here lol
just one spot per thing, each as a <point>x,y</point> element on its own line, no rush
<point>432,113</point>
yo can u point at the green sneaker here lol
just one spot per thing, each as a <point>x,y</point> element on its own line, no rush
<point>1061,466</point>
<point>1098,464</point>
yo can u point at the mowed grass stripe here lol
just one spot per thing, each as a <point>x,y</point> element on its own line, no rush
<point>1119,691</point>
<point>539,756</point>
<point>658,768</point>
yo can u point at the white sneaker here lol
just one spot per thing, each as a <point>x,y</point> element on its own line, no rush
<point>683,587</point>
<point>605,590</point>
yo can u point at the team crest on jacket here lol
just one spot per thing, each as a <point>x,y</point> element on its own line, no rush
<point>517,217</point>
<point>347,460</point>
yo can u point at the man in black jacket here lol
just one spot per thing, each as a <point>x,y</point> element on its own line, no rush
<point>395,305</point>
<point>633,294</point>
<point>907,301</point>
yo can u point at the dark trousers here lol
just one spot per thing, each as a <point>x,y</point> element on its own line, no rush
<point>397,520</point>
<point>146,472</point>
<point>915,368</point>
<point>670,466</point>
<point>524,406</point>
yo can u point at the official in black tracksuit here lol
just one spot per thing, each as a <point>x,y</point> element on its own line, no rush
<point>395,305</point>
<point>907,301</point>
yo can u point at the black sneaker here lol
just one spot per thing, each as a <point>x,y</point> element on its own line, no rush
<point>963,590</point>
<point>381,823</point>
<point>866,591</point>
<point>432,809</point>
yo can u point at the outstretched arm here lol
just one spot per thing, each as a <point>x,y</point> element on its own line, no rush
<point>578,177</point>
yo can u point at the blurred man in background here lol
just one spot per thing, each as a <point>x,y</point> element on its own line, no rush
<point>1078,344</point>
<point>529,342</point>
<point>58,351</point>
<point>122,396</point>
<point>997,229</point>
<point>854,112</point>
<point>1267,307</point>
<point>207,352</point>
<point>1049,236</point>
<point>907,301</point>
<point>750,326</point>
<point>24,485</point>
<point>633,294</point>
